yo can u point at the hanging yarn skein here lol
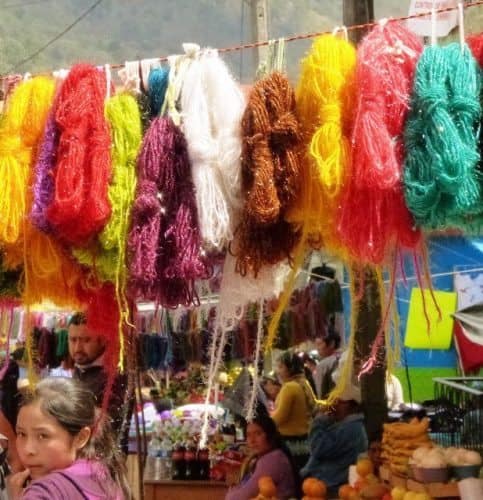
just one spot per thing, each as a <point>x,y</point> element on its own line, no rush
<point>325,99</point>
<point>374,220</point>
<point>80,207</point>
<point>180,259</point>
<point>157,85</point>
<point>164,241</point>
<point>20,131</point>
<point>212,105</point>
<point>270,176</point>
<point>43,188</point>
<point>441,179</point>
<point>146,217</point>
<point>107,254</point>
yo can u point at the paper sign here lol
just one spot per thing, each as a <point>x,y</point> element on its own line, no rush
<point>445,21</point>
<point>440,332</point>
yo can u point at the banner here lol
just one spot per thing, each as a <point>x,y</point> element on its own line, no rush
<point>445,21</point>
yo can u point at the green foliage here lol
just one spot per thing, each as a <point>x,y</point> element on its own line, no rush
<point>120,30</point>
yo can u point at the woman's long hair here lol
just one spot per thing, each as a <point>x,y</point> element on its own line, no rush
<point>73,407</point>
<point>276,442</point>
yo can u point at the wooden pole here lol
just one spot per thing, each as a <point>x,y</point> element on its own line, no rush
<point>357,12</point>
<point>259,30</point>
<point>373,385</point>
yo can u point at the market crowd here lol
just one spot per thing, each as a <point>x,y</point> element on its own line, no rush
<point>296,434</point>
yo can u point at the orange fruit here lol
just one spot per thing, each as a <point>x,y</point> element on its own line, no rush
<point>267,487</point>
<point>360,484</point>
<point>364,467</point>
<point>345,491</point>
<point>313,487</point>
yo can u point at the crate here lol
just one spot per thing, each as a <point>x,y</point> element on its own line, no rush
<point>458,412</point>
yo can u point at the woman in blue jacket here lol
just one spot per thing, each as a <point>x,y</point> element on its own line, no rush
<point>337,439</point>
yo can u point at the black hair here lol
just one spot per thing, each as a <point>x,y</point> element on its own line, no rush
<point>78,318</point>
<point>265,422</point>
<point>323,271</point>
<point>73,406</point>
<point>273,380</point>
<point>332,338</point>
<point>293,362</point>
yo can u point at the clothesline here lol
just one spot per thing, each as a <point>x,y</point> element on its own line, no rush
<point>305,36</point>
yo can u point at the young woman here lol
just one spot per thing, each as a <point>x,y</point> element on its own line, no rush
<point>269,457</point>
<point>294,407</point>
<point>66,450</point>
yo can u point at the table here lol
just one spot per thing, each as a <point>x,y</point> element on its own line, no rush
<point>169,489</point>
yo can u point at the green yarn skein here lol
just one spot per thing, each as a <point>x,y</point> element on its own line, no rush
<point>441,179</point>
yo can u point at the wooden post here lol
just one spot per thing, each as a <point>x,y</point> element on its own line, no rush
<point>259,30</point>
<point>373,385</point>
<point>357,12</point>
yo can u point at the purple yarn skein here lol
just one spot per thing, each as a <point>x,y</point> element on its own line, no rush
<point>43,188</point>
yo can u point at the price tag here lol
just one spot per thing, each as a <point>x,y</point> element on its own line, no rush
<point>445,21</point>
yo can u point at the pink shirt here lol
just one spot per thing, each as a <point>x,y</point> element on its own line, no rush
<point>83,480</point>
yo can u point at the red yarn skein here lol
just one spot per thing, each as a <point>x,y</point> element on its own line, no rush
<point>80,207</point>
<point>374,218</point>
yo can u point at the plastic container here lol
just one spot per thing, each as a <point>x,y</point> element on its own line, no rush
<point>427,475</point>
<point>465,471</point>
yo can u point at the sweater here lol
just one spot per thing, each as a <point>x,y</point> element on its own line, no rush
<point>293,408</point>
<point>274,464</point>
<point>83,480</point>
<point>334,446</point>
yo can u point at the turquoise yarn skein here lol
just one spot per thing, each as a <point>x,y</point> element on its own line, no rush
<point>442,184</point>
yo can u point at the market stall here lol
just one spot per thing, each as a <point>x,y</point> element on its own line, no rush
<point>179,191</point>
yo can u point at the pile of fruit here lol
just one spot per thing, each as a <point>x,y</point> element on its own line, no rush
<point>399,441</point>
<point>313,489</point>
<point>367,487</point>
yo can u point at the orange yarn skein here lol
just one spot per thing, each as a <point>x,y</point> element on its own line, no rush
<point>270,176</point>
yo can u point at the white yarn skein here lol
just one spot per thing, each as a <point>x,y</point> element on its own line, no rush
<point>212,107</point>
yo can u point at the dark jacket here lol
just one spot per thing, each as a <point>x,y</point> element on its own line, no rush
<point>95,378</point>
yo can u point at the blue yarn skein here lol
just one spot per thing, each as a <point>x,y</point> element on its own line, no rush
<point>441,178</point>
<point>157,83</point>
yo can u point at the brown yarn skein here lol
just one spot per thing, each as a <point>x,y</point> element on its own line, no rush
<point>270,175</point>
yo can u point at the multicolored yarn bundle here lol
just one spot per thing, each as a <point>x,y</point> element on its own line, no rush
<point>270,176</point>
<point>441,177</point>
<point>213,135</point>
<point>374,219</point>
<point>80,207</point>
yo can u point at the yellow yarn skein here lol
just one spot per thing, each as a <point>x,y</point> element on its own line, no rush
<point>20,131</point>
<point>325,98</point>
